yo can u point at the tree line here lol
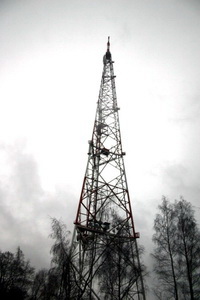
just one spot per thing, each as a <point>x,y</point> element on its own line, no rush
<point>176,258</point>
<point>19,280</point>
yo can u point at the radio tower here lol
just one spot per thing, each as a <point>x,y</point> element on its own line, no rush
<point>104,250</point>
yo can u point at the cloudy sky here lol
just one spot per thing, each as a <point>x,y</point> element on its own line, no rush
<point>50,71</point>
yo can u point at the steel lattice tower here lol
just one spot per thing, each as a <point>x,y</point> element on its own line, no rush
<point>104,248</point>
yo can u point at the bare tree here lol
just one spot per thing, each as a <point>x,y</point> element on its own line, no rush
<point>188,236</point>
<point>118,267</point>
<point>177,251</point>
<point>40,285</point>
<point>165,251</point>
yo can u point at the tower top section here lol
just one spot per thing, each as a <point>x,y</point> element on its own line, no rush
<point>107,56</point>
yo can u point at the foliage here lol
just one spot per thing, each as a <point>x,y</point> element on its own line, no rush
<point>56,283</point>
<point>19,281</point>
<point>16,275</point>
<point>39,289</point>
<point>61,274</point>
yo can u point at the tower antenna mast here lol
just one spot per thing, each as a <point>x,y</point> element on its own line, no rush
<point>104,251</point>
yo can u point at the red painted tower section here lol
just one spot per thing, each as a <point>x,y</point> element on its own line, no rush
<point>104,250</point>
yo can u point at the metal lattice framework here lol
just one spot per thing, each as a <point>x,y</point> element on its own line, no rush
<point>104,247</point>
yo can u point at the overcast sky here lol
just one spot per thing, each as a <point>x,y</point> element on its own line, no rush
<point>50,71</point>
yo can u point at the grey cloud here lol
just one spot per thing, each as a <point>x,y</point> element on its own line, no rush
<point>25,208</point>
<point>181,180</point>
<point>174,175</point>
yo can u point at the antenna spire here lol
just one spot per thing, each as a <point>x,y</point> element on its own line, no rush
<point>108,45</point>
<point>107,56</point>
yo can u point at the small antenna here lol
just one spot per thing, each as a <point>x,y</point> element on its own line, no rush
<point>108,45</point>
